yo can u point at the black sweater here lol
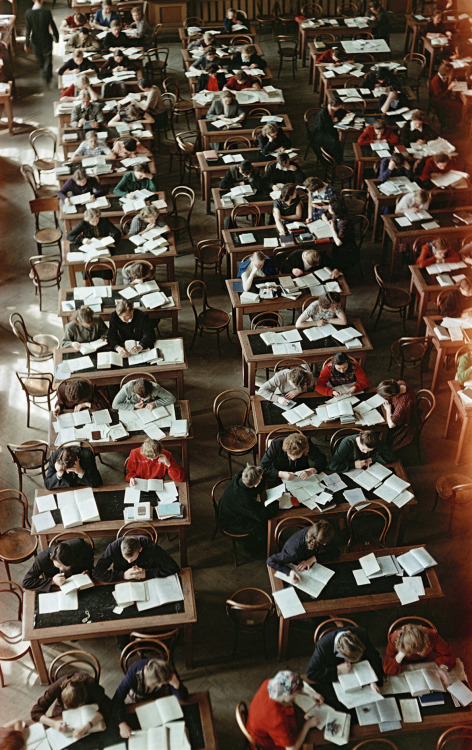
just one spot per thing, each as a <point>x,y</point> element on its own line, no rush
<point>239,511</point>
<point>84,230</point>
<point>39,576</point>
<point>267,147</point>
<point>155,561</point>
<point>91,477</point>
<point>140,329</point>
<point>275,459</point>
<point>324,662</point>
<point>295,551</point>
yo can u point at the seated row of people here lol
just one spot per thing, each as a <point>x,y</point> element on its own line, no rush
<point>139,30</point>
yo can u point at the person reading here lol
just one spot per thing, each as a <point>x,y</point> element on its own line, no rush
<point>142,394</point>
<point>283,170</point>
<point>93,225</point>
<point>148,218</point>
<point>359,452</point>
<point>248,59</point>
<point>326,309</point>
<point>394,166</point>
<point>235,18</point>
<point>72,92</point>
<point>86,114</point>
<point>91,146</point>
<point>138,273</point>
<point>458,303</point>
<point>133,558</point>
<point>292,457</point>
<point>76,64</point>
<point>104,16</point>
<point>286,384</point>
<point>304,548</point>
<point>79,184</point>
<point>272,139</point>
<point>437,251</point>
<point>139,179</point>
<point>319,196</point>
<point>131,112</point>
<point>129,148</point>
<point>341,370</point>
<point>55,564</point>
<point>151,461</point>
<point>256,267</point>
<point>394,98</point>
<point>378,131</point>
<point>115,38</point>
<point>128,324</point>
<point>299,262</point>
<point>287,208</point>
<point>243,173</point>
<point>83,328</point>
<point>417,643</point>
<point>77,394</point>
<point>345,250</point>
<point>212,79</point>
<point>72,466</point>
<point>417,131</point>
<point>400,412</point>
<point>418,201</point>
<point>239,511</point>
<point>436,166</point>
<point>83,39</point>
<point>142,29</point>
<point>241,81</point>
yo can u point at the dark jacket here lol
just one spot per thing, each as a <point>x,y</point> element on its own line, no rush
<point>122,40</point>
<point>84,230</point>
<point>381,25</point>
<point>267,147</point>
<point>324,133</point>
<point>255,59</point>
<point>133,685</point>
<point>234,177</point>
<point>295,551</point>
<point>409,136</point>
<point>86,64</point>
<point>275,459</point>
<point>91,476</point>
<point>39,24</point>
<point>295,260</point>
<point>95,694</point>
<point>155,561</point>
<point>203,81</point>
<point>348,452</point>
<point>455,304</point>
<point>71,186</point>
<point>385,172</point>
<point>324,662</point>
<point>239,511</point>
<point>275,175</point>
<point>94,397</point>
<point>140,329</point>
<point>129,184</point>
<point>395,104</point>
<point>228,23</point>
<point>39,576</point>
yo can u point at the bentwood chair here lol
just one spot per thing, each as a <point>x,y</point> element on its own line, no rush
<point>249,609</point>
<point>216,493</point>
<point>70,662</point>
<point>17,543</point>
<point>12,645</point>
<point>236,437</point>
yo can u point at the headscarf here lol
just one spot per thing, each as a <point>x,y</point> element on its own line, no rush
<point>284,683</point>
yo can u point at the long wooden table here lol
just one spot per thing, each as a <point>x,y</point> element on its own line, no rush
<point>109,499</point>
<point>415,29</point>
<point>216,168</point>
<point>273,105</point>
<point>69,147</point>
<point>111,179</point>
<point>223,37</point>
<point>256,355</point>
<point>424,288</point>
<point>463,413</point>
<point>340,30</point>
<point>222,210</point>
<point>384,53</point>
<point>42,629</point>
<point>115,210</point>
<point>443,348</point>
<point>339,597</point>
<point>209,134</point>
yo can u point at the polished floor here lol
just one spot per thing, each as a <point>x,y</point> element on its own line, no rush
<point>215,577</point>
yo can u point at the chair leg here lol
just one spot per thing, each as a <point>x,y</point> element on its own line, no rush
<point>436,499</point>
<point>403,317</point>
<point>194,336</point>
<point>451,517</point>
<point>28,410</point>
<point>2,681</point>
<point>227,333</point>
<point>235,639</point>
<point>218,342</point>
<point>378,316</point>
<point>229,463</point>
<point>7,570</point>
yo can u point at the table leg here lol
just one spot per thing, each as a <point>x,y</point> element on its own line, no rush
<point>183,548</point>
<point>360,174</point>
<point>185,462</point>
<point>310,70</point>
<point>252,378</point>
<point>207,191</point>
<point>437,366</point>
<point>261,445</point>
<point>170,269</point>
<point>239,319</point>
<point>188,646</point>
<point>393,258</point>
<point>376,219</point>
<point>421,312</point>
<point>175,323</point>
<point>245,370</point>
<point>233,316</point>
<point>283,637</point>
<point>71,272</point>
<point>449,415</point>
<point>460,444</point>
<point>43,542</point>
<point>180,385</point>
<point>405,43</point>
<point>39,663</point>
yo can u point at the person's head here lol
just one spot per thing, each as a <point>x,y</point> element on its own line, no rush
<point>252,475</point>
<point>420,197</point>
<point>413,640</point>
<point>311,257</point>
<point>141,172</point>
<point>383,76</point>
<point>84,316</point>
<point>207,38</point>
<point>92,215</point>
<point>379,126</point>
<point>66,458</point>
<point>61,556</point>
<point>231,13</point>
<point>76,390</point>
<point>84,33</point>
<point>210,53</point>
<point>340,361</point>
<point>130,548</point>
<point>375,6</point>
<point>284,686</point>
<point>246,168</point>
<point>11,739</point>
<point>336,209</point>
<point>396,161</point>
<point>124,310</point>
<point>334,101</point>
<point>115,28</point>
<point>300,378</point>
<point>320,534</point>
<point>258,259</point>
<point>313,184</point>
<point>156,673</point>
<point>329,300</point>
<point>80,19</point>
<point>394,90</point>
<point>466,253</point>
<point>437,15</point>
<point>248,51</point>
<point>83,82</point>
<point>73,692</point>
<point>227,97</point>
<point>149,214</point>
<point>140,271</point>
<point>282,159</point>
<point>296,445</point>
<point>211,69</point>
<point>441,160</point>
<point>78,56</point>
<point>388,389</point>
<point>367,441</point>
<point>80,176</point>
<point>465,287</point>
<point>242,76</point>
<point>92,138</point>
<point>142,387</point>
<point>136,14</point>
<point>270,129</point>
<point>119,55</point>
<point>133,112</point>
<point>439,246</point>
<point>350,647</point>
<point>106,4</point>
<point>417,119</point>
<point>445,68</point>
<point>288,192</point>
<point>84,97</point>
<point>130,145</point>
<point>145,83</point>
<point>151,448</point>
<point>338,54</point>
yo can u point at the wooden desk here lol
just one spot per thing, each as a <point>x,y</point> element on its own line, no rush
<point>314,54</point>
<point>172,371</point>
<point>339,30</point>
<point>130,83</point>
<point>240,309</point>
<point>209,134</point>
<point>117,7</point>
<point>64,117</point>
<point>109,499</point>
<point>256,355</point>
<point>443,348</point>
<point>223,211</point>
<point>217,169</point>
<point>222,38</point>
<point>42,629</point>
<point>122,253</point>
<point>111,179</point>
<point>112,134</point>
<point>426,288</point>
<point>339,596</point>
<point>115,211</point>
<point>273,104</point>
<point>8,33</point>
<point>464,414</point>
<point>6,102</point>
<point>430,51</point>
<point>188,57</point>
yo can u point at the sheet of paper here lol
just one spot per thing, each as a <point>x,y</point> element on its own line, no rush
<point>289,603</point>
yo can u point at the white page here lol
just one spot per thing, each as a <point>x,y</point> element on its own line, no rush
<point>423,557</point>
<point>369,564</point>
<point>410,709</point>
<point>406,593</point>
<point>288,603</point>
<point>43,521</point>
<point>360,577</point>
<point>461,692</point>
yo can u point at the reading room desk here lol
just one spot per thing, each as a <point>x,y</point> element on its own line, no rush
<point>216,168</point>
<point>425,287</point>
<point>99,602</point>
<point>332,81</point>
<point>336,26</point>
<point>114,212</point>
<point>247,99</point>
<point>223,210</point>
<point>109,499</point>
<point>222,36</point>
<point>209,134</point>
<point>314,54</point>
<point>88,7</point>
<point>443,348</point>
<point>257,355</point>
<point>339,595</point>
<point>63,117</point>
<point>111,178</point>
<point>463,413</point>
<point>69,146</point>
<point>414,27</point>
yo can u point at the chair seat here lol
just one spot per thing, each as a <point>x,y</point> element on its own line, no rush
<point>36,386</point>
<point>45,164</point>
<point>47,191</point>
<point>446,482</point>
<point>12,646</point>
<point>47,236</point>
<point>43,345</point>
<point>46,271</point>
<point>17,544</point>
<point>29,460</point>
<point>343,172</point>
<point>237,439</point>
<point>214,318</point>
<point>183,106</point>
<point>395,296</point>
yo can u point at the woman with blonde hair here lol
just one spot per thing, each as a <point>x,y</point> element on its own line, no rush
<point>326,309</point>
<point>304,548</point>
<point>151,461</point>
<point>286,384</point>
<point>292,457</point>
<point>83,328</point>
<point>148,218</point>
<point>257,266</point>
<point>413,643</point>
<point>272,139</point>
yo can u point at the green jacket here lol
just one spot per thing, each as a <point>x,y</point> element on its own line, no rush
<point>129,183</point>
<point>464,368</point>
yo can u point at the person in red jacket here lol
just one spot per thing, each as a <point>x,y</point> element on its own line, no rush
<point>412,643</point>
<point>151,461</point>
<point>341,370</point>
<point>444,102</point>
<point>378,131</point>
<point>437,251</point>
<point>335,55</point>
<point>436,165</point>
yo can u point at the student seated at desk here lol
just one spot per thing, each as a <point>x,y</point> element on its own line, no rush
<point>146,679</point>
<point>437,251</point>
<point>138,273</point>
<point>92,225</point>
<point>359,452</point>
<point>400,412</point>
<point>153,104</point>
<point>272,720</point>
<point>380,23</point>
<point>292,457</point>
<point>212,79</point>
<point>283,170</point>
<point>341,370</point>
<point>226,108</point>
<point>133,558</point>
<point>79,184</point>
<point>72,92</point>
<point>417,201</point>
<point>142,29</point>
<point>319,196</point>
<point>118,62</point>
<point>377,78</point>
<point>131,113</point>
<point>243,173</point>
<point>76,64</point>
<point>437,165</point>
<point>458,303</point>
<point>285,384</point>
<point>255,267</point>
<point>248,59</point>
<point>78,394</point>
<point>72,691</point>
<point>393,99</point>
<point>417,643</point>
<point>394,166</point>
<point>464,369</point>
<point>335,56</point>
<point>86,114</point>
<point>104,16</point>
<point>304,548</point>
<point>142,394</point>
<point>91,147</point>
<point>148,217</point>
<point>436,26</point>
<point>242,80</point>
<point>417,130</point>
<point>128,148</point>
<point>324,134</point>
<point>72,466</point>
<point>272,139</point>
<point>128,324</point>
<point>151,461</point>
<point>287,208</point>
<point>326,309</point>
<point>54,565</point>
<point>202,42</point>
<point>378,131</point>
<point>83,39</point>
<point>73,22</point>
<point>299,262</point>
<point>139,179</point>
<point>234,18</point>
<point>444,101</point>
<point>345,253</point>
<point>84,327</point>
<point>209,57</point>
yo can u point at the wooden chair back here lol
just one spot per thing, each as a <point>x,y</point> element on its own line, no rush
<point>235,142</point>
<point>70,662</point>
<point>142,648</point>
<point>257,112</point>
<point>240,39</point>
<point>80,443</point>
<point>376,508</point>
<point>425,405</point>
<point>442,297</point>
<point>376,744</point>
<point>136,375</point>
<point>95,265</point>
<point>67,536</point>
<point>138,528</point>
<point>30,455</point>
<point>461,732</point>
<point>332,623</point>
<point>267,320</point>
<point>241,720</point>
<point>293,523</point>
<point>246,209</point>
<point>15,496</point>
<point>466,349</point>
<point>340,434</point>
<point>12,589</point>
<point>284,364</point>
<point>410,620</point>
<point>125,223</point>
<point>42,137</point>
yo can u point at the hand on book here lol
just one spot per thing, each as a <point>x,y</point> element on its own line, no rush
<point>59,579</point>
<point>297,272</point>
<point>152,405</point>
<point>344,668</point>
<point>444,677</point>
<point>134,574</point>
<point>283,401</point>
<point>306,564</point>
<point>287,476</point>
<point>125,730</point>
<point>81,731</point>
<point>375,687</point>
<point>294,577</point>
<point>122,351</point>
<point>75,345</point>
<point>59,725</point>
<point>136,349</point>
<point>306,473</point>
<point>291,394</point>
<point>85,405</point>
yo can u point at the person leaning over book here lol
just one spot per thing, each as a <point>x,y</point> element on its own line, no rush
<point>285,384</point>
<point>341,370</point>
<point>283,170</point>
<point>68,692</point>
<point>133,558</point>
<point>458,303</point>
<point>378,131</point>
<point>359,452</point>
<point>299,262</point>
<point>76,394</point>
<point>417,130</point>
<point>79,184</point>
<point>129,148</point>
<point>148,218</point>
<point>91,146</point>
<point>92,226</point>
<point>464,368</point>
<point>226,107</point>
<point>83,328</point>
<point>437,251</point>
<point>304,548</point>
<point>416,643</point>
<point>234,18</point>
<point>146,679</point>
<point>142,394</point>
<point>72,466</point>
<point>272,139</point>
<point>437,165</point>
<point>243,173</point>
<point>292,457</point>
<point>417,201</point>
<point>151,461</point>
<point>55,564</point>
<point>255,267</point>
<point>84,39</point>
<point>319,196</point>
<point>139,179</point>
<point>86,114</point>
<point>287,208</point>
<point>128,324</point>
<point>138,273</point>
<point>248,59</point>
<point>326,309</point>
<point>400,412</point>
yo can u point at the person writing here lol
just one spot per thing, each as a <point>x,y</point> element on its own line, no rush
<point>77,394</point>
<point>437,251</point>
<point>417,201</point>
<point>93,225</point>
<point>435,166</point>
<point>394,98</point>
<point>326,309</point>
<point>77,64</point>
<point>292,457</point>
<point>248,59</point>
<point>55,564</point>
<point>148,218</point>
<point>80,184</point>
<point>304,548</point>
<point>417,643</point>
<point>400,412</point>
<point>139,272</point>
<point>341,370</point>
<point>235,21</point>
<point>242,81</point>
<point>320,194</point>
<point>115,38</point>
<point>378,131</point>
<point>91,146</point>
<point>359,452</point>
<point>299,262</point>
<point>211,80</point>
<point>133,558</point>
<point>151,461</point>
<point>84,328</point>
<point>286,384</point>
<point>139,179</point>
<point>226,108</point>
<point>282,171</point>
<point>125,148</point>
<point>142,394</point>
<point>287,208</point>
<point>243,173</point>
<point>83,39</point>
<point>128,324</point>
<point>458,303</point>
<point>255,267</point>
<point>104,17</point>
<point>86,114</point>
<point>417,131</point>
<point>272,139</point>
<point>72,467</point>
<point>394,166</point>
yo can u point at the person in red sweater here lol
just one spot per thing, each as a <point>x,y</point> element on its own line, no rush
<point>417,643</point>
<point>378,131</point>
<point>444,102</point>
<point>242,80</point>
<point>335,55</point>
<point>341,370</point>
<point>437,251</point>
<point>271,719</point>
<point>436,165</point>
<point>151,461</point>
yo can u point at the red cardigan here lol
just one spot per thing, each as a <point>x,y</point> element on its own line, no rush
<point>150,468</point>
<point>326,57</point>
<point>431,167</point>
<point>370,136</point>
<point>438,88</point>
<point>439,651</point>
<point>361,380</point>
<point>427,258</point>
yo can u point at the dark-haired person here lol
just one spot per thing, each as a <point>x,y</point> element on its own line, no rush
<point>377,78</point>
<point>139,179</point>
<point>380,24</point>
<point>209,57</point>
<point>72,466</point>
<point>151,461</point>
<point>345,253</point>
<point>85,113</point>
<point>320,194</point>
<point>282,171</point>
<point>142,394</point>
<point>334,56</point>
<point>272,139</point>
<point>153,103</point>
<point>326,309</point>
<point>104,16</point>
<point>359,452</point>
<point>54,565</point>
<point>292,457</point>
<point>285,384</point>
<point>394,98</point>
<point>118,62</point>
<point>418,130</point>
<point>242,81</point>
<point>287,208</point>
<point>134,558</point>
<point>129,147</point>
<point>378,131</point>
<point>299,262</point>
<point>71,691</point>
<point>240,512</point>
<point>92,225</point>
<point>444,101</point>
<point>243,173</point>
<point>436,26</point>
<point>79,184</point>
<point>83,39</point>
<point>200,43</point>
<point>129,324</point>
<point>115,38</point>
<point>40,30</point>
<point>248,59</point>
<point>400,412</point>
<point>437,165</point>
<point>341,370</point>
<point>234,18</point>
<point>142,29</point>
<point>12,737</point>
<point>212,79</point>
<point>73,22</point>
<point>394,166</point>
<point>458,303</point>
<point>304,548</point>
<point>78,394</point>
<point>76,64</point>
<point>138,272</point>
<point>255,267</point>
<point>85,327</point>
<point>226,107</point>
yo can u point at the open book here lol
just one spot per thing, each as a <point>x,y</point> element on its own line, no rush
<point>312,581</point>
<point>129,592</point>
<point>423,681</point>
<point>78,507</point>
<point>360,674</point>
<point>57,601</point>
<point>78,582</point>
<point>161,591</point>
<point>75,718</point>
<point>159,712</point>
<point>170,737</point>
<point>137,512</point>
<point>416,561</point>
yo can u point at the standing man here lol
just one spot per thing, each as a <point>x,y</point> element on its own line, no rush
<point>39,25</point>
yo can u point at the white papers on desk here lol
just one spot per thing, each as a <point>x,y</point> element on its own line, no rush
<point>411,713</point>
<point>320,229</point>
<point>337,727</point>
<point>312,581</point>
<point>371,477</point>
<point>247,298</point>
<point>45,503</point>
<point>392,487</point>
<point>172,350</point>
<point>35,737</point>
<point>454,178</point>
<point>76,364</point>
<point>402,221</point>
<point>159,712</point>
<point>356,496</point>
<point>161,591</point>
<point>424,681</point>
<point>369,564</point>
<point>319,332</point>
<point>58,740</point>
<point>302,411</point>
<point>360,674</point>
<point>461,692</point>
<point>344,335</point>
<point>445,268</point>
<point>129,592</point>
<point>56,601</point>
<point>288,603</point>
<point>416,561</point>
<point>77,507</point>
<point>43,521</point>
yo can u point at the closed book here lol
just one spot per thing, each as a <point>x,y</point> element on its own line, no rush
<point>432,699</point>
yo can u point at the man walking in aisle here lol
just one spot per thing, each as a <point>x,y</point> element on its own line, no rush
<point>39,25</point>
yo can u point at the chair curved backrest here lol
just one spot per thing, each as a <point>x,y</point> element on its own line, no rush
<point>70,662</point>
<point>231,403</point>
<point>138,528</point>
<point>241,713</point>
<point>267,320</point>
<point>312,10</point>
<point>355,201</point>
<point>425,405</point>
<point>332,623</point>
<point>363,35</point>
<point>340,434</point>
<point>411,350</point>
<point>284,364</point>
<point>209,251</point>
<point>80,443</point>
<point>42,136</point>
<point>326,38</point>
<point>136,375</point>
<point>376,508</point>
<point>13,589</point>
<point>193,21</point>
<point>461,732</point>
<point>235,142</point>
<point>282,431</point>
<point>425,240</point>
<point>36,261</point>
<point>375,744</point>
<point>291,522</point>
<point>249,600</point>
<point>27,172</point>
<point>125,222</point>
<point>32,454</point>
<point>197,290</point>
<point>308,302</point>
<point>411,620</point>
<point>466,349</point>
<point>257,112</point>
<point>17,497</point>
<point>67,536</point>
<point>233,393</point>
<point>216,493</point>
<point>442,297</point>
<point>240,39</point>
<point>142,648</point>
<point>246,209</point>
<point>100,264</point>
<point>186,195</point>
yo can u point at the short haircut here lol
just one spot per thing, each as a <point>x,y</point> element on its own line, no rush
<point>368,439</point>
<point>91,135</point>
<point>465,285</point>
<point>84,315</point>
<point>123,305</point>
<point>92,213</point>
<point>141,168</point>
<point>423,195</point>
<point>388,389</point>
<point>287,190</point>
<point>157,671</point>
<point>398,159</point>
<point>282,158</point>
<point>149,212</point>
<point>142,387</point>
<point>440,243</point>
<point>78,53</point>
<point>151,448</point>
<point>140,270</point>
<point>379,123</point>
<point>417,114</point>
<point>441,158</point>
<point>251,475</point>
<point>436,12</point>
<point>249,49</point>
<point>79,174</point>
<point>136,9</point>
<point>83,80</point>
<point>350,646</point>
<point>270,127</point>
<point>130,144</point>
<point>74,692</point>
<point>319,534</point>
<point>227,94</point>
<point>85,31</point>
<point>130,545</point>
<point>445,67</point>
<point>312,257</point>
<point>329,298</point>
<point>77,389</point>
<point>258,255</point>
<point>62,553</point>
<point>84,94</point>
<point>412,639</point>
<point>340,358</point>
<point>339,53</point>
<point>66,458</point>
<point>313,183</point>
<point>115,25</point>
<point>209,51</point>
<point>80,18</point>
<point>299,377</point>
<point>296,443</point>
<point>246,168</point>
<point>241,75</point>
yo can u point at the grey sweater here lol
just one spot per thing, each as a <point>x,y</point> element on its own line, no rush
<point>126,398</point>
<point>75,332</point>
